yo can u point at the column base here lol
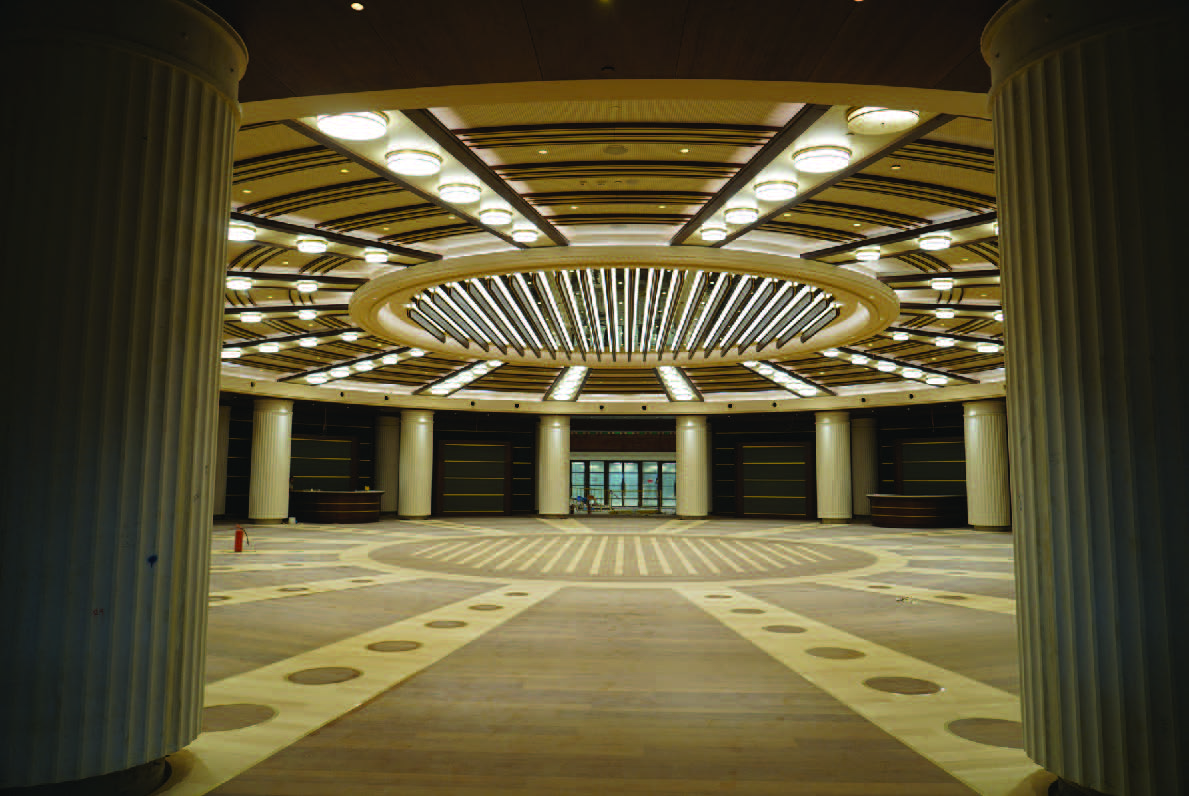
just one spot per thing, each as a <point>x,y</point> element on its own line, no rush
<point>691,516</point>
<point>835,520</point>
<point>559,516</point>
<point>267,521</point>
<point>413,516</point>
<point>1063,787</point>
<point>136,781</point>
<point>999,528</point>
<point>863,518</point>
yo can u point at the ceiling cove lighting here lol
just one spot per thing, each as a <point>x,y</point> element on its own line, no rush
<point>900,336</point>
<point>822,159</point>
<point>945,313</point>
<point>231,353</point>
<point>935,241</point>
<point>942,283</point>
<point>269,348</point>
<point>238,283</point>
<point>741,214</point>
<point>524,232</point>
<point>782,378</point>
<point>568,384</point>
<point>240,230</point>
<point>776,190</point>
<point>459,193</point>
<point>311,245</point>
<point>870,120</point>
<point>713,232</point>
<point>677,384</point>
<point>317,378</point>
<point>307,315</point>
<point>414,162</point>
<point>987,348</point>
<point>251,317</point>
<point>375,255</point>
<point>355,126</point>
<point>461,378</point>
<point>308,342</point>
<point>867,254</point>
<point>495,216</point>
<point>306,286</point>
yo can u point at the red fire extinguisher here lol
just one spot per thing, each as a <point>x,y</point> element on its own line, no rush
<point>240,536</point>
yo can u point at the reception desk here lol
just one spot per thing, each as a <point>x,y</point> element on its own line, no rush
<point>338,507</point>
<point>918,511</point>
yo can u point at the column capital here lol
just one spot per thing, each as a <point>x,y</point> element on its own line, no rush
<point>991,406</point>
<point>273,405</point>
<point>691,421</point>
<point>864,422</point>
<point>836,416</point>
<point>388,421</point>
<point>554,421</point>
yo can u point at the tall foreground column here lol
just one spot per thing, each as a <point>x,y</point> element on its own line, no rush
<point>864,464</point>
<point>1090,192</point>
<point>553,456</point>
<point>415,494</point>
<point>388,461</point>
<point>693,446</point>
<point>124,119</point>
<point>988,502</point>
<point>272,440</point>
<point>833,466</point>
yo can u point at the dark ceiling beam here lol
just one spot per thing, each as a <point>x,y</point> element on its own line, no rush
<point>443,137</point>
<point>777,144</point>
<point>972,220</point>
<point>921,130</point>
<point>267,276</point>
<point>908,279</point>
<point>337,237</point>
<point>286,308</point>
<point>316,135</point>
<point>905,363</point>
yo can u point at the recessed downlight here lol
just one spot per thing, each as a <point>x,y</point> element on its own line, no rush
<point>355,126</point>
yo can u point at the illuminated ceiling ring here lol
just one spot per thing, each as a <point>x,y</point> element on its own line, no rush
<point>624,306</point>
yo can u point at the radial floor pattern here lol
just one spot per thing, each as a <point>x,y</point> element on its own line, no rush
<point>610,655</point>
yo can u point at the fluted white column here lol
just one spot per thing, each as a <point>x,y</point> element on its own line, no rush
<point>864,464</point>
<point>553,457</point>
<point>415,493</point>
<point>388,461</point>
<point>693,450</point>
<point>1090,194</point>
<point>106,494</point>
<point>222,441</point>
<point>833,466</point>
<point>988,502</point>
<point>272,434</point>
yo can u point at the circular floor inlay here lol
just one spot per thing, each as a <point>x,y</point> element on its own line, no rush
<point>992,732</point>
<point>394,646</point>
<point>291,565</point>
<point>878,586</point>
<point>950,597</point>
<point>485,607</point>
<point>747,610</point>
<point>784,629</point>
<point>440,623</point>
<point>517,594</point>
<point>836,653</point>
<point>217,597</point>
<point>324,675</point>
<point>294,588</point>
<point>902,685</point>
<point>718,597</point>
<point>220,718</point>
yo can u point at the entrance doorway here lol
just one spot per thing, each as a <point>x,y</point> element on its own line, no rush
<point>623,487</point>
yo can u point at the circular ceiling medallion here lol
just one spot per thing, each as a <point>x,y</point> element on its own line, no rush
<point>624,306</point>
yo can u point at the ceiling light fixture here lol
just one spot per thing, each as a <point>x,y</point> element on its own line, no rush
<point>364,366</point>
<point>414,162</point>
<point>870,120</point>
<point>308,342</point>
<point>859,359</point>
<point>935,241</point>
<point>944,313</point>
<point>495,216</point>
<point>459,193</point>
<point>741,214</point>
<point>987,348</point>
<point>910,373</point>
<point>308,244</point>
<point>998,315</point>
<point>821,159</point>
<point>677,384</point>
<point>251,317</point>
<point>317,378</point>
<point>238,283</point>
<point>355,126</point>
<point>713,232</point>
<point>524,233</point>
<point>241,230</point>
<point>943,283</point>
<point>340,372</point>
<point>269,348</point>
<point>568,384</point>
<point>776,190</point>
<point>885,366</point>
<point>943,342</point>
<point>375,255</point>
<point>307,315</point>
<point>783,378</point>
<point>937,380</point>
<point>350,337</point>
<point>231,353</point>
<point>900,336</point>
<point>867,254</point>
<point>831,352</point>
<point>306,286</point>
<point>461,378</point>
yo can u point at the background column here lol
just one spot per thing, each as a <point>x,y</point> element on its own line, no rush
<point>833,466</point>
<point>864,464</point>
<point>1091,193</point>
<point>272,433</point>
<point>553,452</point>
<point>693,450</point>
<point>415,493</point>
<point>388,461</point>
<point>222,441</point>
<point>106,495</point>
<point>988,502</point>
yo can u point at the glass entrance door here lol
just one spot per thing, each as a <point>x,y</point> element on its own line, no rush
<point>613,486</point>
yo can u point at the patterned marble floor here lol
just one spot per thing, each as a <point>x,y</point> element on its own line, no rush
<point>610,656</point>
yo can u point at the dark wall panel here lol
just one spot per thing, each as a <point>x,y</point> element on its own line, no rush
<point>473,477</point>
<point>518,432</point>
<point>746,471</point>
<point>773,479</point>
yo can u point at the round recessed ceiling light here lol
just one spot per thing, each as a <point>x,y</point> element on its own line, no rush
<point>987,348</point>
<point>241,230</point>
<point>251,317</point>
<point>307,315</point>
<point>350,337</point>
<point>870,120</point>
<point>941,283</point>
<point>524,233</point>
<point>741,214</point>
<point>776,190</point>
<point>998,315</point>
<point>269,348</point>
<point>935,241</point>
<point>306,286</point>
<point>901,336</point>
<point>311,245</point>
<point>944,312</point>
<point>363,367</point>
<point>495,216</point>
<point>886,367</point>
<point>317,378</point>
<point>308,342</point>
<point>459,193</point>
<point>340,373</point>
<point>231,353</point>
<point>713,232</point>
<point>414,162</point>
<point>238,283</point>
<point>375,256</point>
<point>858,359</point>
<point>910,373</point>
<point>356,126</point>
<point>831,352</point>
<point>943,342</point>
<point>821,159</point>
<point>867,253</point>
<point>936,380</point>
